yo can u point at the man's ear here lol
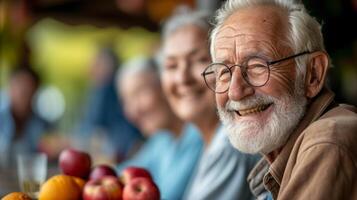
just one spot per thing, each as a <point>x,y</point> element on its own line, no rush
<point>316,73</point>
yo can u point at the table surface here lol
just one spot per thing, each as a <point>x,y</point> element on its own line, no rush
<point>9,181</point>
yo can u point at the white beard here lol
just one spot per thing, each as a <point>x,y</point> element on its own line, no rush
<point>253,136</point>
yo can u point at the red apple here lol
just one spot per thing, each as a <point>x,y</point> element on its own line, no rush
<point>105,188</point>
<point>141,189</point>
<point>75,163</point>
<point>130,173</point>
<point>100,171</point>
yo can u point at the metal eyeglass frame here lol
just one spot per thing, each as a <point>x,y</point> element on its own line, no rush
<point>243,70</point>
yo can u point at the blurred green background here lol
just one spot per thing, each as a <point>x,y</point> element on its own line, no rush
<point>59,39</point>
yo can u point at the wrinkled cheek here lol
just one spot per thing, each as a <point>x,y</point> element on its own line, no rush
<point>221,100</point>
<point>282,84</point>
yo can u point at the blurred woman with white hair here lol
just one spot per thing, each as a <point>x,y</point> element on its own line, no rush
<point>222,170</point>
<point>173,148</point>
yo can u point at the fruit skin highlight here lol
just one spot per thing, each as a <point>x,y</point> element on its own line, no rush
<point>141,188</point>
<point>105,188</point>
<point>61,187</point>
<point>75,163</point>
<point>16,196</point>
<point>131,172</point>
<point>100,171</point>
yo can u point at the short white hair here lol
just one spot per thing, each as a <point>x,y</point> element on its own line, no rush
<point>199,19</point>
<point>304,32</point>
<point>138,65</point>
<point>183,18</point>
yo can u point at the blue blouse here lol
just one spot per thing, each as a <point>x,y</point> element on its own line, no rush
<point>222,172</point>
<point>171,161</point>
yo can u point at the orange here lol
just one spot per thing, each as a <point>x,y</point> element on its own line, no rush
<point>16,196</point>
<point>61,187</point>
<point>80,182</point>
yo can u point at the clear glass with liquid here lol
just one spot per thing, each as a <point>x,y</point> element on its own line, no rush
<point>32,172</point>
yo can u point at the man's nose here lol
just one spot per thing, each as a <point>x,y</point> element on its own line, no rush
<point>239,88</point>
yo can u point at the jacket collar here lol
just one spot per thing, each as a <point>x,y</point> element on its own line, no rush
<point>314,110</point>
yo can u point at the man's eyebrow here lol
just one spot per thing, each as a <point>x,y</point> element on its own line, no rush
<point>245,56</point>
<point>225,58</point>
<point>221,60</point>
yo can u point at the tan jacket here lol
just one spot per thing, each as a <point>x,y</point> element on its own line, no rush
<point>319,160</point>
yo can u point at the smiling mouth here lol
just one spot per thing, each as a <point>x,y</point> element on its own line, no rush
<point>253,110</point>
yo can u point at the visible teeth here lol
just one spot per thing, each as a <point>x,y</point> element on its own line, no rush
<point>253,110</point>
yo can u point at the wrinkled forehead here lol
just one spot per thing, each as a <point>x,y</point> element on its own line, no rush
<point>243,46</point>
<point>257,29</point>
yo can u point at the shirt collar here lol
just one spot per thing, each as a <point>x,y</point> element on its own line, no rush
<point>314,110</point>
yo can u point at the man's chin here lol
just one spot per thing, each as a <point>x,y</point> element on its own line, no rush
<point>244,141</point>
<point>255,138</point>
<point>244,148</point>
<point>266,133</point>
<point>252,136</point>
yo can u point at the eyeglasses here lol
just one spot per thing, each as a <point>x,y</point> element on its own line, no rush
<point>255,71</point>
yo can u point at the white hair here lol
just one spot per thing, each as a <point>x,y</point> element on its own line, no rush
<point>138,65</point>
<point>304,32</point>
<point>180,19</point>
<point>186,18</point>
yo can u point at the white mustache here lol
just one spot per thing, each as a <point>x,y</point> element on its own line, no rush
<point>249,102</point>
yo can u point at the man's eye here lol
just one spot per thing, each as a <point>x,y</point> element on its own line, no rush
<point>256,61</point>
<point>257,69</point>
<point>256,66</point>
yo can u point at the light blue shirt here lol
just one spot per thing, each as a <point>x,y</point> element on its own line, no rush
<point>103,115</point>
<point>171,161</point>
<point>222,172</point>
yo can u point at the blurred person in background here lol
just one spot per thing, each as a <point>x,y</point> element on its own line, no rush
<point>222,170</point>
<point>172,148</point>
<point>103,122</point>
<point>21,128</point>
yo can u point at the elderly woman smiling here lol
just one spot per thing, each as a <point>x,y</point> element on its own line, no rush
<point>172,146</point>
<point>222,170</point>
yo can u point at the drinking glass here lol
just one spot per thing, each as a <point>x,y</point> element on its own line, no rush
<point>32,172</point>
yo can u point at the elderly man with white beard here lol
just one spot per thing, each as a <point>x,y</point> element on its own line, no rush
<point>269,75</point>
